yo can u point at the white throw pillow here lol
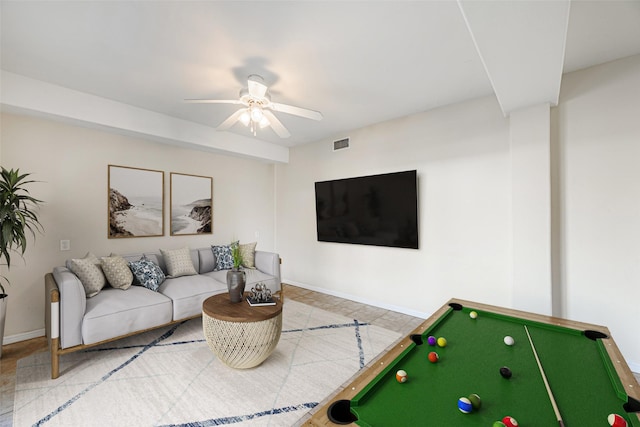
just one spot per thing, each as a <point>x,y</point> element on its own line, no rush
<point>178,262</point>
<point>248,254</point>
<point>117,271</point>
<point>89,272</point>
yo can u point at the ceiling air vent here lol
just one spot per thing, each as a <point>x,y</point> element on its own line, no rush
<point>341,144</point>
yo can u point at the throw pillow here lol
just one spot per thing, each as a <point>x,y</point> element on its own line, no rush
<point>248,254</point>
<point>89,272</point>
<point>117,271</point>
<point>147,273</point>
<point>178,262</point>
<point>224,259</point>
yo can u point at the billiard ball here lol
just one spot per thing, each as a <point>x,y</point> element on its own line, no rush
<point>616,420</point>
<point>508,340</point>
<point>433,357</point>
<point>473,314</point>
<point>499,424</point>
<point>464,405</point>
<point>401,376</point>
<point>442,342</point>
<point>510,421</point>
<point>475,401</point>
<point>505,372</point>
<point>431,340</point>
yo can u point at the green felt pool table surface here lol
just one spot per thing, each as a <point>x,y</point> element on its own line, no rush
<point>588,377</point>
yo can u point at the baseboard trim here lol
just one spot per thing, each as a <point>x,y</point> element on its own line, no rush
<point>23,337</point>
<point>355,298</point>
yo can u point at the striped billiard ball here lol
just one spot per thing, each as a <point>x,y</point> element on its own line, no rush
<point>465,405</point>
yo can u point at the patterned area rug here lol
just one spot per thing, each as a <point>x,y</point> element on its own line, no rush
<point>169,377</point>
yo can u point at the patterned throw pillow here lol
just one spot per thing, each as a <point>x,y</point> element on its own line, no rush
<point>224,259</point>
<point>117,271</point>
<point>89,272</point>
<point>179,262</point>
<point>147,273</point>
<point>248,253</point>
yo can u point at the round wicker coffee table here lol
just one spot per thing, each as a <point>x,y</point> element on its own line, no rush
<point>240,335</point>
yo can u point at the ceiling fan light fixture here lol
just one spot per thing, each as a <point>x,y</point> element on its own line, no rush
<point>245,117</point>
<point>257,110</point>
<point>256,113</point>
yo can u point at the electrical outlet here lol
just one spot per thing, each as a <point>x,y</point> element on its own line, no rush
<point>65,245</point>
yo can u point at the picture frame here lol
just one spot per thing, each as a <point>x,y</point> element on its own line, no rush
<point>135,202</point>
<point>191,204</point>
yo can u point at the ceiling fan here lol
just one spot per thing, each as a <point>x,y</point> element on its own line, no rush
<point>257,109</point>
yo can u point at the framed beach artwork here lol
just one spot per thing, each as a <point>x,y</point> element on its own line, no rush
<point>191,204</point>
<point>136,202</point>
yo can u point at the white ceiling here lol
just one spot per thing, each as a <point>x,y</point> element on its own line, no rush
<point>358,62</point>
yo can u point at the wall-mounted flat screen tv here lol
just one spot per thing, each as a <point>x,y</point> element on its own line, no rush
<point>379,210</point>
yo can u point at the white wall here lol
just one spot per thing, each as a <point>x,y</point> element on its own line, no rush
<point>461,154</point>
<point>599,156</point>
<point>72,164</point>
<point>465,172</point>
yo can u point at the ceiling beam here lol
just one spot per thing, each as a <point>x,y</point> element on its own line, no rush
<point>29,96</point>
<point>521,45</point>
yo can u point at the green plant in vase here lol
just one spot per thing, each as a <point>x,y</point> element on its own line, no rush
<point>17,217</point>
<point>237,256</point>
<point>236,278</point>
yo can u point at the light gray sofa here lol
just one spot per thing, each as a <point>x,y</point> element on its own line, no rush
<point>75,322</point>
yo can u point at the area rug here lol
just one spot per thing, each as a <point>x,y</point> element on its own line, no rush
<point>170,377</point>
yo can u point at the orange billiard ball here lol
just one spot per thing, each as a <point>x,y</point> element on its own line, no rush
<point>433,357</point>
<point>401,376</point>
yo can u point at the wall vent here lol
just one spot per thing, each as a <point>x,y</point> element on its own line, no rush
<point>341,144</point>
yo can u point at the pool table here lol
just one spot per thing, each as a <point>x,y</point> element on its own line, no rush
<point>562,373</point>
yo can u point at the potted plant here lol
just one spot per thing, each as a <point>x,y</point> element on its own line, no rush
<point>236,278</point>
<point>17,216</point>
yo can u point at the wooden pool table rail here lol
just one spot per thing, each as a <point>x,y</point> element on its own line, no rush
<point>363,377</point>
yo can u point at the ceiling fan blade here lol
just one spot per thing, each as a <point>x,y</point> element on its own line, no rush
<point>212,101</point>
<point>297,111</point>
<point>276,124</point>
<point>231,120</point>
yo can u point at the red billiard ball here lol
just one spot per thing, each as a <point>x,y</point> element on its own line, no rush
<point>616,420</point>
<point>510,421</point>
<point>433,357</point>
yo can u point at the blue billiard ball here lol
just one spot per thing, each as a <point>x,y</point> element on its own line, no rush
<point>465,405</point>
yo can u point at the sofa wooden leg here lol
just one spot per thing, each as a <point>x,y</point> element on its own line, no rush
<point>55,358</point>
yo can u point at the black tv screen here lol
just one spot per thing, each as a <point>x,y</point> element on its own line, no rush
<point>379,210</point>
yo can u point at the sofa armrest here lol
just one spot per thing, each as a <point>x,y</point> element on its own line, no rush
<point>269,262</point>
<point>51,308</point>
<point>72,306</point>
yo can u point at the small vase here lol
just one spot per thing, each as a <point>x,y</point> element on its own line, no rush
<point>236,279</point>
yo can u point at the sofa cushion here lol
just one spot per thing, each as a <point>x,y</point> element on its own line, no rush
<point>117,271</point>
<point>189,292</point>
<point>89,272</point>
<point>248,254</point>
<point>178,262</point>
<point>112,313</point>
<point>147,273</point>
<point>207,260</point>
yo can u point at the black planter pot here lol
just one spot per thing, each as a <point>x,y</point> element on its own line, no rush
<point>236,280</point>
